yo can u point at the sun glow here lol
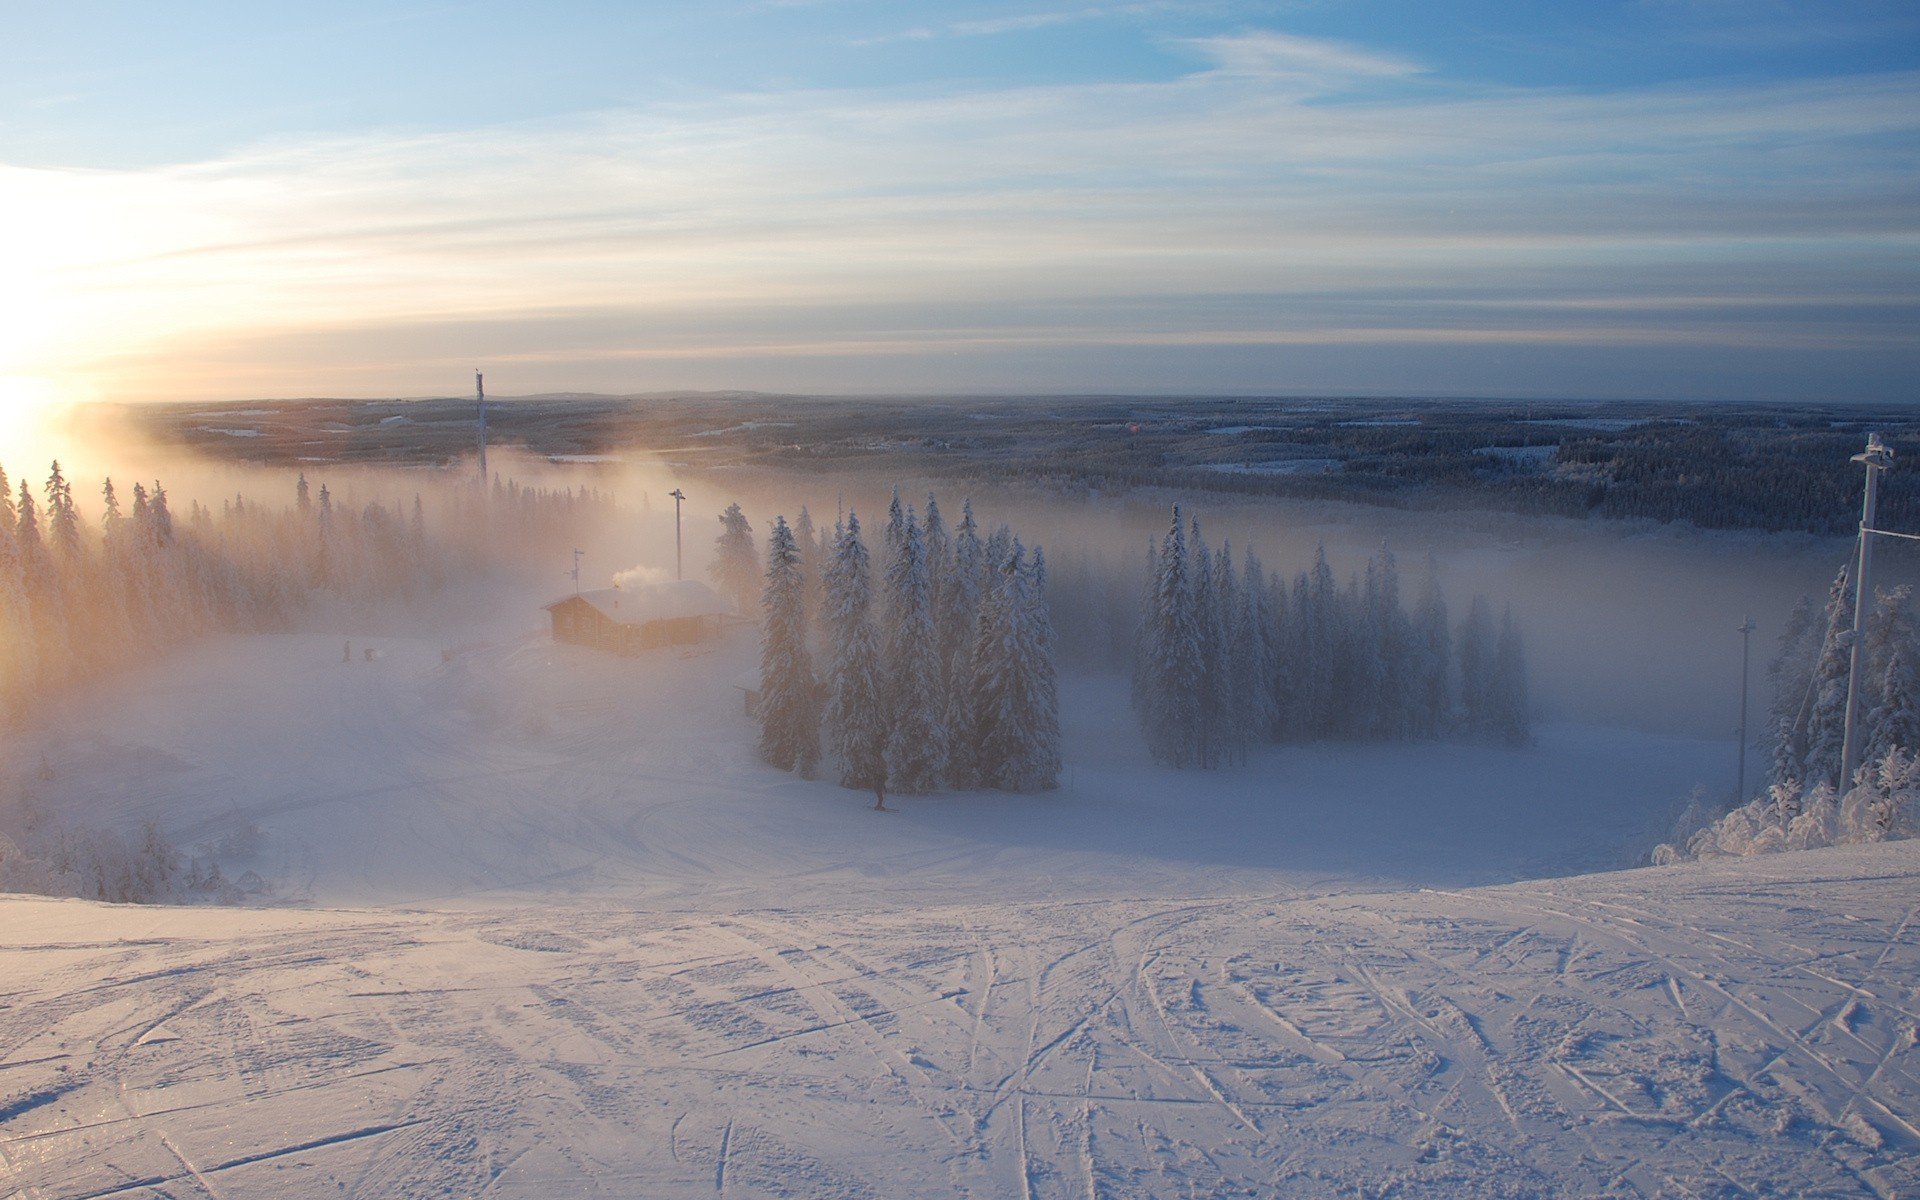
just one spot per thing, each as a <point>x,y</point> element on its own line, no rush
<point>29,436</point>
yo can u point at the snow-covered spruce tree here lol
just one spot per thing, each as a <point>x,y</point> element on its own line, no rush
<point>1400,701</point>
<point>1826,707</point>
<point>1016,735</point>
<point>896,534</point>
<point>812,565</point>
<point>1888,669</point>
<point>1477,638</point>
<point>958,628</point>
<point>1168,679</point>
<point>1319,650</point>
<point>1432,659</point>
<point>1790,678</point>
<point>1508,715</point>
<point>18,648</point>
<point>917,734</point>
<point>1256,664</point>
<point>1044,769</point>
<point>789,698</point>
<point>856,717</point>
<point>735,568</point>
<point>1210,742</point>
<point>1367,634</point>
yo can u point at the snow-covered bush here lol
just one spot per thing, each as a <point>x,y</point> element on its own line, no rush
<point>1882,805</point>
<point>46,858</point>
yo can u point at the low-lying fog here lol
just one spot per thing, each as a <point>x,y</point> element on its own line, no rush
<point>1625,625</point>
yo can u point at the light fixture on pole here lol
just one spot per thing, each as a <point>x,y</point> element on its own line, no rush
<point>1740,774</point>
<point>678,496</point>
<point>1877,457</point>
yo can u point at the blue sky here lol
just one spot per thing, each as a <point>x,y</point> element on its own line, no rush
<point>1665,198</point>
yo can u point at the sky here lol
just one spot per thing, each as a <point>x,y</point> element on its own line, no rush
<point>1713,199</point>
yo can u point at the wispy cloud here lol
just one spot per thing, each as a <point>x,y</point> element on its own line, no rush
<point>1269,53</point>
<point>1227,208</point>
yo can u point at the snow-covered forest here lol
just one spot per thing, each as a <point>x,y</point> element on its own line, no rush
<point>943,678</point>
<point>84,596</point>
<point>1807,803</point>
<point>375,795</point>
<point>1230,658</point>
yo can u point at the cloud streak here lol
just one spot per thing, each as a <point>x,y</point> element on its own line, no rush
<point>1099,215</point>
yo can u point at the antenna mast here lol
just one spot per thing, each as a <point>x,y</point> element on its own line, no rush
<point>480,405</point>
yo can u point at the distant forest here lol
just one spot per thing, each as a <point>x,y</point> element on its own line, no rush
<point>1718,466</point>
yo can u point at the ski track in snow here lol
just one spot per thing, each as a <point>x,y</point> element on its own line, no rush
<point>1627,1034</point>
<point>602,962</point>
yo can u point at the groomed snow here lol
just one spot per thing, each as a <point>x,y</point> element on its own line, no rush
<point>577,942</point>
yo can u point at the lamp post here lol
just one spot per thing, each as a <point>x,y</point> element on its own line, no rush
<point>678,497</point>
<point>577,553</point>
<point>1877,457</point>
<point>1740,773</point>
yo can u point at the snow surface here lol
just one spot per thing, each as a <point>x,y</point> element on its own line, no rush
<point>578,942</point>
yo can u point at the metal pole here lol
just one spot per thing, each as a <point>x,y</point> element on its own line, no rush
<point>1876,458</point>
<point>678,496</point>
<point>576,570</point>
<point>1746,644</point>
<point>480,406</point>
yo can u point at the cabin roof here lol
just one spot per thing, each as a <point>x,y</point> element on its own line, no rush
<point>664,600</point>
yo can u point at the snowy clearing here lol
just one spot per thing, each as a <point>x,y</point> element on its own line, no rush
<point>1716,1028</point>
<point>582,943</point>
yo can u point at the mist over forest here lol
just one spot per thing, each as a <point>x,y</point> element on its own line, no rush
<point>292,657</point>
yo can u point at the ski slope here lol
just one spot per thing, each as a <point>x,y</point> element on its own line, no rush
<point>544,928</point>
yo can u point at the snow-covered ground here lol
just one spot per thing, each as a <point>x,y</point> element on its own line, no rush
<point>548,930</point>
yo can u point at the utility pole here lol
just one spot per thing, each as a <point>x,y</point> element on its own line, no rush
<point>678,496</point>
<point>480,407</point>
<point>1877,457</point>
<point>1746,645</point>
<point>576,570</point>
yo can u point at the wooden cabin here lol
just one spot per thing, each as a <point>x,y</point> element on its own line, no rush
<point>630,620</point>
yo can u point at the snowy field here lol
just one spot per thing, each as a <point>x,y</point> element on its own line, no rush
<point>541,926</point>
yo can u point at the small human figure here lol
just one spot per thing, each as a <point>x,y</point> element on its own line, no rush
<point>346,653</point>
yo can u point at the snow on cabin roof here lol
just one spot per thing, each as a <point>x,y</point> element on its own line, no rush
<point>660,601</point>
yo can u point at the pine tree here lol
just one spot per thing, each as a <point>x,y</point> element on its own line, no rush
<point>1477,638</point>
<point>1231,673</point>
<point>63,520</point>
<point>1256,665</point>
<point>19,648</point>
<point>917,738</point>
<point>734,568</point>
<point>1433,659</point>
<point>1825,712</point>
<point>812,563</point>
<point>1508,716</point>
<point>856,715</point>
<point>1168,679</point>
<point>1895,721</point>
<point>958,626</point>
<point>789,703</point>
<point>1210,741</point>
<point>1319,650</point>
<point>1017,723</point>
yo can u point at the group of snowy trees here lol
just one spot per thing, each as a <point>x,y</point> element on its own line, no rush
<point>1228,658</point>
<point>79,597</point>
<point>937,673</point>
<point>1807,803</point>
